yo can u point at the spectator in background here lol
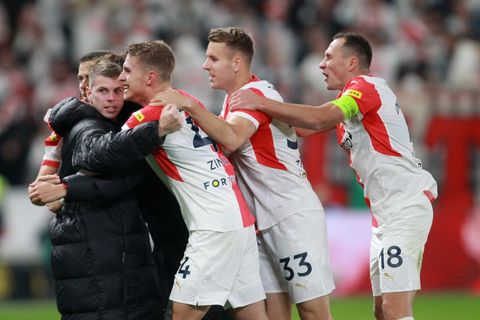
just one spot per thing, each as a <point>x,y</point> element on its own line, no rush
<point>16,118</point>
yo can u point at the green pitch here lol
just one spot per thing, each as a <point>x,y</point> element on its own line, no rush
<point>444,306</point>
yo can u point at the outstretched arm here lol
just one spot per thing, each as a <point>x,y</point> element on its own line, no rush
<point>229,134</point>
<point>318,118</point>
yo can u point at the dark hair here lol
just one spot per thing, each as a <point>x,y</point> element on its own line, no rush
<point>106,69</point>
<point>235,38</point>
<point>359,45</point>
<point>156,54</point>
<point>115,58</point>
<point>94,55</point>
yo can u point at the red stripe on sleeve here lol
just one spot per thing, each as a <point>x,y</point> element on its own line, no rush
<point>51,163</point>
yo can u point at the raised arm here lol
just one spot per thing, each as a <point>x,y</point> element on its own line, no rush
<point>318,118</point>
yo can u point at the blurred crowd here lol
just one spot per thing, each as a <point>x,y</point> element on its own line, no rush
<point>427,49</point>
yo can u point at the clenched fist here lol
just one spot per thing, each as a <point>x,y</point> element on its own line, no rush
<point>171,120</point>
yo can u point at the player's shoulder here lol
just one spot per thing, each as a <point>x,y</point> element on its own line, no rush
<point>264,88</point>
<point>260,85</point>
<point>362,85</point>
<point>367,81</point>
<point>191,96</point>
<point>146,114</point>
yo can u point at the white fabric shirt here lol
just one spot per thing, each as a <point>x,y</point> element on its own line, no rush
<point>380,149</point>
<point>269,169</point>
<point>198,174</point>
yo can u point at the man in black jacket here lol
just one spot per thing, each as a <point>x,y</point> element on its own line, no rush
<point>101,258</point>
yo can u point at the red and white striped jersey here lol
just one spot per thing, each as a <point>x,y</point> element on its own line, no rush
<point>53,151</point>
<point>269,169</point>
<point>198,174</point>
<point>381,152</point>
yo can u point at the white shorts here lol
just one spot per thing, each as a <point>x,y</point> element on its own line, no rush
<point>294,257</point>
<point>218,267</point>
<point>396,248</point>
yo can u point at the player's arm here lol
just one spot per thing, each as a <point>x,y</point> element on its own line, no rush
<point>43,171</point>
<point>318,118</point>
<point>229,134</point>
<point>79,187</point>
<point>45,175</point>
<point>50,162</point>
<point>101,152</point>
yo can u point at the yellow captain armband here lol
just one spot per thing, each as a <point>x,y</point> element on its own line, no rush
<point>348,105</point>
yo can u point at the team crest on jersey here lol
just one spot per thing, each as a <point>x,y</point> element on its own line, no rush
<point>353,93</point>
<point>139,116</point>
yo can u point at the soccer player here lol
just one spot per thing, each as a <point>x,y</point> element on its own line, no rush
<point>372,129</point>
<point>220,263</point>
<point>290,218</point>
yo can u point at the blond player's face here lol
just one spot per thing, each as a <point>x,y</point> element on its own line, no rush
<point>133,80</point>
<point>335,65</point>
<point>106,95</point>
<point>219,65</point>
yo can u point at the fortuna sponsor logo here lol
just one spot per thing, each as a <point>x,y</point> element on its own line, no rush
<point>217,163</point>
<point>222,182</point>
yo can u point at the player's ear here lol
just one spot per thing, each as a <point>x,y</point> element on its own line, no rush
<point>237,61</point>
<point>353,63</point>
<point>150,77</point>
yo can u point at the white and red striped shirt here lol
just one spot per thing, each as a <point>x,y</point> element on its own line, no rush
<point>381,152</point>
<point>199,175</point>
<point>269,169</point>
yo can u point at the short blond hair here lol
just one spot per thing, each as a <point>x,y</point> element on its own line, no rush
<point>104,68</point>
<point>155,54</point>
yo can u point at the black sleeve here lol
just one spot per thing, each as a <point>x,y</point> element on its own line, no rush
<point>83,188</point>
<point>110,152</point>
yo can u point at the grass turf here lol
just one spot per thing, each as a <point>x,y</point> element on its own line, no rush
<point>428,306</point>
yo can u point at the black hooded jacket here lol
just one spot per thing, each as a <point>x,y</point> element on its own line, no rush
<point>101,258</point>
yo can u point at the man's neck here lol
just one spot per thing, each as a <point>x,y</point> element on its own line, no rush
<point>241,80</point>
<point>152,91</point>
